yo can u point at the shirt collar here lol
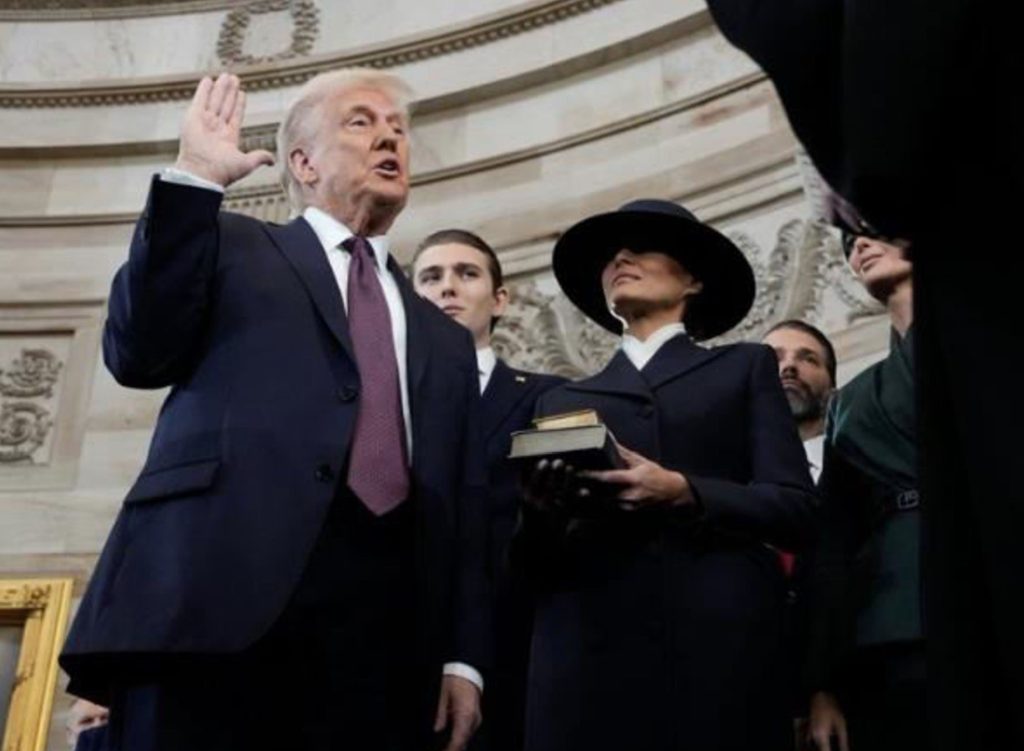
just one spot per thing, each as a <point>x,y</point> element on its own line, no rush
<point>640,352</point>
<point>815,449</point>
<point>333,233</point>
<point>485,361</point>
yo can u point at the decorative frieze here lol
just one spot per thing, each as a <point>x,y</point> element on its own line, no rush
<point>33,374</point>
<point>273,74</point>
<point>96,10</point>
<point>47,362</point>
<point>233,32</point>
<point>27,391</point>
<point>24,427</point>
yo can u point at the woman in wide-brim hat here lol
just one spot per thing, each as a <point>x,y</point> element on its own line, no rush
<point>658,615</point>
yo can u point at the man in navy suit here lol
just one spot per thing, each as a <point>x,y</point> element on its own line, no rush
<point>301,562</point>
<point>660,603</point>
<point>460,273</point>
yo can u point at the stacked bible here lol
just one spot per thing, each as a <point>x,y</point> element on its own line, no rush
<point>579,439</point>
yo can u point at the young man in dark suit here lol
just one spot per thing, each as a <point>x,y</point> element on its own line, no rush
<point>305,543</point>
<point>461,274</point>
<point>660,602</point>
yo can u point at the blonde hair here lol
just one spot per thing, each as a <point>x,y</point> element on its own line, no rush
<point>303,118</point>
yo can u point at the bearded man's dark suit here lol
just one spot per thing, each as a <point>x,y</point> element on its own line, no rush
<point>901,107</point>
<point>507,405</point>
<point>247,466</point>
<point>661,629</point>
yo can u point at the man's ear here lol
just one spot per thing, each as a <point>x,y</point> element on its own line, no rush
<point>695,289</point>
<point>501,298</point>
<point>301,166</point>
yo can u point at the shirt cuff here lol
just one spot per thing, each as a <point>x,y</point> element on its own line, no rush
<point>462,670</point>
<point>181,177</point>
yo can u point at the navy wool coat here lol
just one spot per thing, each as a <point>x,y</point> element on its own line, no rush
<point>661,629</point>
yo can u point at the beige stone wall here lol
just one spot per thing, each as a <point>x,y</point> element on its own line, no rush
<point>530,115</point>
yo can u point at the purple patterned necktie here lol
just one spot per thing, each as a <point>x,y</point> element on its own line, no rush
<point>377,471</point>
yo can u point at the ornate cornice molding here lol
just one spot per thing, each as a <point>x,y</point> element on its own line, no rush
<point>85,11</point>
<point>262,198</point>
<point>272,76</point>
<point>262,136</point>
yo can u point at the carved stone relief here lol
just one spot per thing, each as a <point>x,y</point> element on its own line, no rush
<point>542,331</point>
<point>792,277</point>
<point>48,357</point>
<point>233,32</point>
<point>28,389</point>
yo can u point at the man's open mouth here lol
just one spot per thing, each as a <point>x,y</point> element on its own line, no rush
<point>388,168</point>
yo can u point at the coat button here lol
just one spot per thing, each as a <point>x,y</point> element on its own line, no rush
<point>323,473</point>
<point>347,393</point>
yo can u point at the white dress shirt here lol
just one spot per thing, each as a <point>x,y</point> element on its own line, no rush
<point>332,234</point>
<point>641,352</point>
<point>485,362</point>
<point>815,450</point>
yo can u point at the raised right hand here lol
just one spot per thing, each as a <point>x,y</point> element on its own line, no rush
<point>211,133</point>
<point>826,720</point>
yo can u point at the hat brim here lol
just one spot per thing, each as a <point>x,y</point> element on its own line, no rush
<point>584,250</point>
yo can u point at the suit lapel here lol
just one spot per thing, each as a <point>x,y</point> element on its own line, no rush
<point>502,395</point>
<point>679,355</point>
<point>619,377</point>
<point>301,247</point>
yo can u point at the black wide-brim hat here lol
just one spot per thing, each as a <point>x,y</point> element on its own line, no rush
<point>584,250</point>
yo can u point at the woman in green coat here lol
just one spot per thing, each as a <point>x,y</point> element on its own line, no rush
<point>866,662</point>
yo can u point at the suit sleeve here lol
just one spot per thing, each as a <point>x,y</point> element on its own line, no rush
<point>538,543</point>
<point>777,504</point>
<point>473,617</point>
<point>160,299</point>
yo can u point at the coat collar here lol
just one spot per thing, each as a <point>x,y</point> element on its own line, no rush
<point>619,376</point>
<point>676,357</point>
<point>301,247</point>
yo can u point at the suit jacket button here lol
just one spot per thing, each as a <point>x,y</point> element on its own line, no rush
<point>347,393</point>
<point>647,411</point>
<point>323,473</point>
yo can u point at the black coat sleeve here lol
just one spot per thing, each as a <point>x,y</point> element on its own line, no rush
<point>777,504</point>
<point>160,299</point>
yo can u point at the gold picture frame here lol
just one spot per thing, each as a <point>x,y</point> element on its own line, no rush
<point>40,607</point>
